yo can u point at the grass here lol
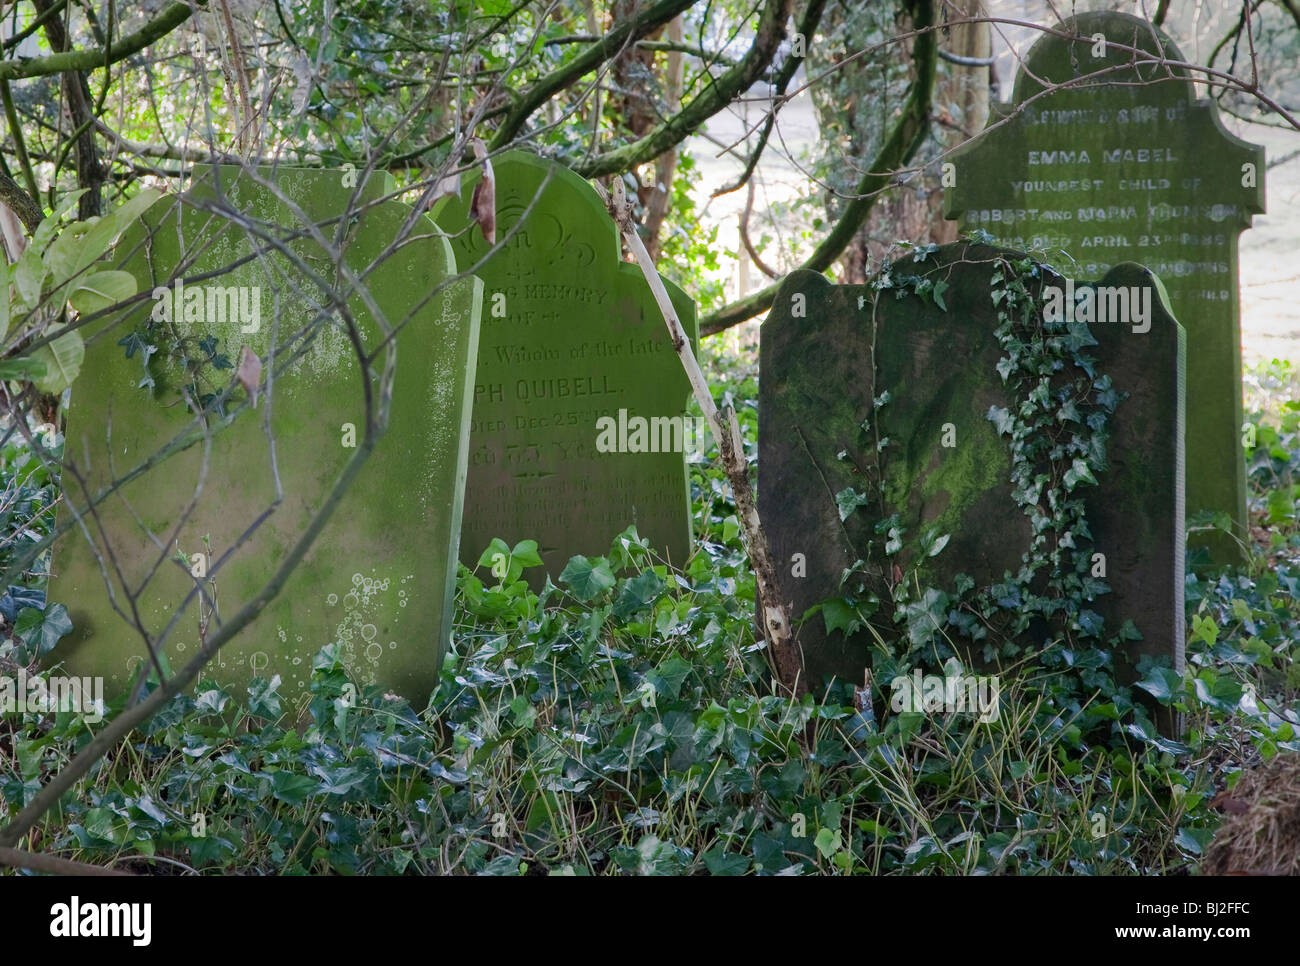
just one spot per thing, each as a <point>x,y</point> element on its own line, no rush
<point>628,726</point>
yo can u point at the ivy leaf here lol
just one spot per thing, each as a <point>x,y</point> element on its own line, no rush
<point>132,342</point>
<point>895,541</point>
<point>1078,473</point>
<point>936,545</point>
<point>839,616</point>
<point>848,500</point>
<point>939,288</point>
<point>1194,840</point>
<point>525,554</point>
<point>1079,335</point>
<point>1002,420</point>
<point>637,593</point>
<point>587,578</point>
<point>668,678</point>
<point>1090,622</point>
<point>263,699</point>
<point>1162,683</point>
<point>827,842</point>
<point>40,630</point>
<point>293,789</point>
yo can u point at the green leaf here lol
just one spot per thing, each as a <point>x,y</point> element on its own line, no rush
<point>827,842</point>
<point>586,578</point>
<point>839,616</point>
<point>1162,683</point>
<point>669,676</point>
<point>497,546</point>
<point>40,630</point>
<point>1002,420</point>
<point>29,274</point>
<point>62,358</point>
<point>101,291</point>
<point>848,500</point>
<point>263,699</point>
<point>939,288</point>
<point>6,274</point>
<point>1194,840</point>
<point>937,544</point>
<point>720,862</point>
<point>525,554</point>
<point>637,593</point>
<point>1078,473</point>
<point>85,248</point>
<point>1204,629</point>
<point>21,368</point>
<point>293,789</point>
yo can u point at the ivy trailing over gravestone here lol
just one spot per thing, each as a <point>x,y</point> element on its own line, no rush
<point>1055,428</point>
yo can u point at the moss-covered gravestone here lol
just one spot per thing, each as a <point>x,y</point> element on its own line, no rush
<point>1129,166</point>
<point>578,428</point>
<point>903,426</point>
<point>380,577</point>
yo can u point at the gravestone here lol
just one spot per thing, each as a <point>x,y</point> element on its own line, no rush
<point>380,577</point>
<point>571,336</point>
<point>846,367</point>
<point>1129,166</point>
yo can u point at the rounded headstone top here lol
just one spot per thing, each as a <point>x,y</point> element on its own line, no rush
<point>1055,59</point>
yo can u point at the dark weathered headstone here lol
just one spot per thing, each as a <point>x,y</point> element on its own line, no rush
<point>922,373</point>
<point>380,578</point>
<point>571,336</point>
<point>1129,166</point>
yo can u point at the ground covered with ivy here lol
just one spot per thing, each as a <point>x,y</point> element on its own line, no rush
<point>624,721</point>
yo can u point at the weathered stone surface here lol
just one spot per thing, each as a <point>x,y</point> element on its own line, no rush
<point>1128,165</point>
<point>824,363</point>
<point>571,334</point>
<point>380,577</point>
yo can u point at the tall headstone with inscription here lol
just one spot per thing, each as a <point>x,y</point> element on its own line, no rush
<point>228,265</point>
<point>1123,163</point>
<point>579,428</point>
<point>886,440</point>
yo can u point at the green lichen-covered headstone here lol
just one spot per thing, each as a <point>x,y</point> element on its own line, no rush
<point>1129,166</point>
<point>876,402</point>
<point>571,336</point>
<point>380,577</point>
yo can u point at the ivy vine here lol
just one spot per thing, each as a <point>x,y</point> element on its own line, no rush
<point>1056,431</point>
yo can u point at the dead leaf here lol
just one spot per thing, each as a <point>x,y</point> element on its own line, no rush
<point>1229,804</point>
<point>448,187</point>
<point>249,372</point>
<point>483,203</point>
